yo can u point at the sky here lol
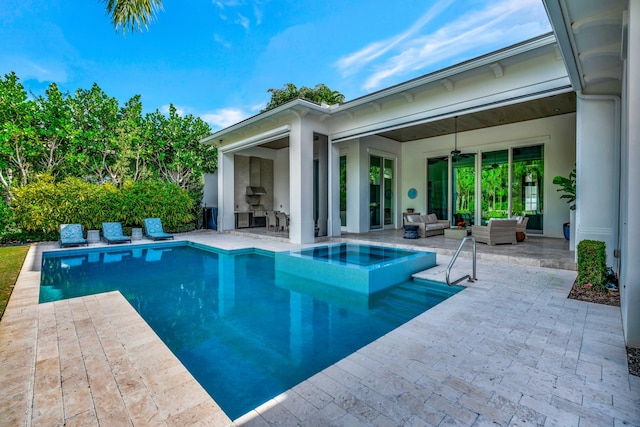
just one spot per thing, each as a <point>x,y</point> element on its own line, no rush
<point>216,59</point>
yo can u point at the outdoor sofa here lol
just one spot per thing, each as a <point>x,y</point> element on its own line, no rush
<point>428,225</point>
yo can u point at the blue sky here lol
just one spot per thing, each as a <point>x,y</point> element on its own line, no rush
<point>217,58</point>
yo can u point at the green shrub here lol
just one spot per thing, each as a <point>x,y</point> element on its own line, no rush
<point>592,263</point>
<point>5,217</point>
<point>43,205</point>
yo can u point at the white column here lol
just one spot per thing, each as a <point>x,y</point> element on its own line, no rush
<point>323,185</point>
<point>597,163</point>
<point>226,208</point>
<point>301,227</point>
<point>630,206</point>
<point>334,222</point>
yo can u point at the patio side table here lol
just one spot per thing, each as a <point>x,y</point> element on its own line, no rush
<point>411,232</point>
<point>93,236</point>
<point>136,234</point>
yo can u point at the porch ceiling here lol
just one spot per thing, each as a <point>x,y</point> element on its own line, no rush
<point>529,110</point>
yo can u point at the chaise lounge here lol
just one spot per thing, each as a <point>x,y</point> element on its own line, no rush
<point>153,229</point>
<point>497,231</point>
<point>428,225</point>
<point>112,233</point>
<point>71,235</point>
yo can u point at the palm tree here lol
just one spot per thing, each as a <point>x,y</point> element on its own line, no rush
<point>132,13</point>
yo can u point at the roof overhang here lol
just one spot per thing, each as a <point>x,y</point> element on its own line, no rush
<point>407,127</point>
<point>590,36</point>
<point>296,107</point>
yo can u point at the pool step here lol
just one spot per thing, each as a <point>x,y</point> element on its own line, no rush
<point>405,301</point>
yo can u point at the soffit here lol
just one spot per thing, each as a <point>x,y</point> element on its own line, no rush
<point>590,34</point>
<point>514,113</point>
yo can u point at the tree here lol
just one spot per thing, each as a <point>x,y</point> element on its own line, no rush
<point>132,13</point>
<point>319,94</point>
<point>96,145</point>
<point>54,129</point>
<point>18,146</point>
<point>175,148</point>
<point>130,131</point>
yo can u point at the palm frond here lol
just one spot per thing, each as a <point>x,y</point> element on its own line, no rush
<point>132,14</point>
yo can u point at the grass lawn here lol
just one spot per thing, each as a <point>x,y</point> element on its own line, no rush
<point>11,259</point>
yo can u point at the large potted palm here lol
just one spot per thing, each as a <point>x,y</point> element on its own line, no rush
<point>568,187</point>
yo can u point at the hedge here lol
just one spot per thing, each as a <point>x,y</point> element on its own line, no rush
<point>43,205</point>
<point>592,263</point>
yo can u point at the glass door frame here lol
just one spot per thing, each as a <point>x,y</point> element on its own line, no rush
<point>393,203</point>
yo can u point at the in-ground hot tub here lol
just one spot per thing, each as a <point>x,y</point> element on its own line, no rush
<point>363,269</point>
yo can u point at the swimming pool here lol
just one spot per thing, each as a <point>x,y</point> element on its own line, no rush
<point>245,337</point>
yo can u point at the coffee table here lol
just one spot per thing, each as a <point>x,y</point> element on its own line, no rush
<point>456,233</point>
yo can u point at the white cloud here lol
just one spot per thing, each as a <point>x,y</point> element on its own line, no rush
<point>44,70</point>
<point>501,23</point>
<point>218,39</point>
<point>243,20</point>
<point>257,12</point>
<point>354,62</point>
<point>224,117</point>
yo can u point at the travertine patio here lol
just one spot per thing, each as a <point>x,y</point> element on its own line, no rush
<point>511,349</point>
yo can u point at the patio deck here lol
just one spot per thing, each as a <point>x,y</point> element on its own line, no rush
<point>511,349</point>
<point>535,251</point>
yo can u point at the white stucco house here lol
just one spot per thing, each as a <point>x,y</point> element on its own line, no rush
<point>563,99</point>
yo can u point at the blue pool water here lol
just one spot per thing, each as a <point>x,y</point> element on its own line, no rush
<point>243,335</point>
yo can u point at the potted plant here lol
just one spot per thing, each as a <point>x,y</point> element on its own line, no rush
<point>568,187</point>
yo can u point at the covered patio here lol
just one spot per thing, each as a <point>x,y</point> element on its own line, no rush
<point>537,251</point>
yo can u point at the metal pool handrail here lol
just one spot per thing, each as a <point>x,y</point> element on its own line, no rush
<point>472,277</point>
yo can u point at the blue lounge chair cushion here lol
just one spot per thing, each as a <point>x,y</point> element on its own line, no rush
<point>112,233</point>
<point>153,229</point>
<point>71,235</point>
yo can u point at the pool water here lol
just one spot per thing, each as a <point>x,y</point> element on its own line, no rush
<point>354,254</point>
<point>245,337</point>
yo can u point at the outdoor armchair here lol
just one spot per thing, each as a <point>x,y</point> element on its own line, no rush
<point>496,232</point>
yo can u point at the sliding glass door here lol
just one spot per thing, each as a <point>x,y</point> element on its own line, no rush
<point>438,186</point>
<point>381,189</point>
<point>527,179</point>
<point>495,185</point>
<point>511,183</point>
<point>464,188</point>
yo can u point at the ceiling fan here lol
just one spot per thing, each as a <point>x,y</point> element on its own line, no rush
<point>455,152</point>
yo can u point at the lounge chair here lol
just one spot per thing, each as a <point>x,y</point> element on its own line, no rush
<point>112,233</point>
<point>153,229</point>
<point>496,232</point>
<point>71,235</point>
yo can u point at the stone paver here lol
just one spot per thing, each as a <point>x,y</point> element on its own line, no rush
<point>510,350</point>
